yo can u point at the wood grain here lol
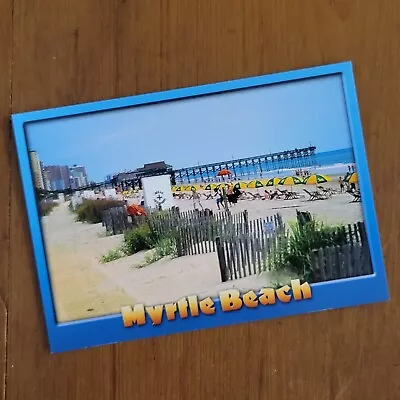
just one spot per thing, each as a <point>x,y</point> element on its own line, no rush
<point>63,52</point>
<point>5,108</point>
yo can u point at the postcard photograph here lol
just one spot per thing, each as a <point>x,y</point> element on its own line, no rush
<point>229,192</point>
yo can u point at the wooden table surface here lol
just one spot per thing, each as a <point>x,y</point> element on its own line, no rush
<point>61,52</point>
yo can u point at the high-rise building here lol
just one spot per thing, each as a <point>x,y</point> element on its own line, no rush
<point>46,182</point>
<point>78,176</point>
<point>36,170</point>
<point>57,177</point>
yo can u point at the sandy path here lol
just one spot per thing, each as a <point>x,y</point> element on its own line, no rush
<point>80,288</point>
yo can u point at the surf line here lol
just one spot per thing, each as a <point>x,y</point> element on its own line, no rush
<point>230,300</point>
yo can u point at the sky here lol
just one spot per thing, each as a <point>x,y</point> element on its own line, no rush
<point>201,130</point>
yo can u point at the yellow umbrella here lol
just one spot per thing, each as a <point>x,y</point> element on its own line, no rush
<point>193,187</point>
<point>352,178</point>
<point>255,184</point>
<point>210,186</point>
<point>240,185</point>
<point>315,179</point>
<point>290,181</point>
<point>271,182</point>
<point>221,185</point>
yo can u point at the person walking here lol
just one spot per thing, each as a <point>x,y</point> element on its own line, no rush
<point>196,199</point>
<point>341,184</point>
<point>219,198</point>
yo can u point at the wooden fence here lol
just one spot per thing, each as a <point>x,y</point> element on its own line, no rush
<point>245,247</point>
<point>115,220</point>
<point>248,254</point>
<point>251,253</point>
<point>199,237</point>
<point>346,261</point>
<point>196,232</point>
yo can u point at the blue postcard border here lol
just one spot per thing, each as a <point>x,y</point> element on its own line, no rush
<point>326,295</point>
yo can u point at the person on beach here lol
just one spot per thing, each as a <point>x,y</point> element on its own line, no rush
<point>232,199</point>
<point>196,199</point>
<point>219,197</point>
<point>341,184</point>
<point>267,195</point>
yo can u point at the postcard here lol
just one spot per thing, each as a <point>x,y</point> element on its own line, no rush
<point>200,207</point>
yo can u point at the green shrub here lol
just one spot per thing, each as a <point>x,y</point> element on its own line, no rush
<point>112,255</point>
<point>91,210</point>
<point>46,207</point>
<point>139,238</point>
<point>294,251</point>
<point>165,247</point>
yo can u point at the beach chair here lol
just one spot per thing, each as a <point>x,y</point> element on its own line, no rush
<point>314,195</point>
<point>324,191</point>
<point>250,196</point>
<point>279,195</point>
<point>356,196</point>
<point>282,192</point>
<point>290,195</point>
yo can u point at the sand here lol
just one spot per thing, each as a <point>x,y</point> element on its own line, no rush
<point>83,287</point>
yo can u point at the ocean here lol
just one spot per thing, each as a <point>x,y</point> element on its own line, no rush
<point>334,162</point>
<point>342,156</point>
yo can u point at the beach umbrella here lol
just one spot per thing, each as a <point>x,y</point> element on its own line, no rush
<point>352,178</point>
<point>255,184</point>
<point>221,185</point>
<point>176,188</point>
<point>290,181</point>
<point>240,185</point>
<point>316,179</point>
<point>272,182</point>
<point>210,186</point>
<point>193,188</point>
<point>224,172</point>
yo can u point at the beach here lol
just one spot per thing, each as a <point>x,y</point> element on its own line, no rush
<point>84,287</point>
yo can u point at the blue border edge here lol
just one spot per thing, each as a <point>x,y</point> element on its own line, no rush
<point>327,295</point>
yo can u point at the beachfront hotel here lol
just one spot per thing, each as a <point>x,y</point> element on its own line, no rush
<point>78,176</point>
<point>36,170</point>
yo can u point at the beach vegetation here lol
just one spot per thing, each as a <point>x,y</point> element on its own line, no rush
<point>91,210</point>
<point>112,255</point>
<point>165,247</point>
<point>139,238</point>
<point>46,207</point>
<point>294,250</point>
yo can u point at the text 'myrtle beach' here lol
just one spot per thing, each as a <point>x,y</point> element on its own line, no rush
<point>230,300</point>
